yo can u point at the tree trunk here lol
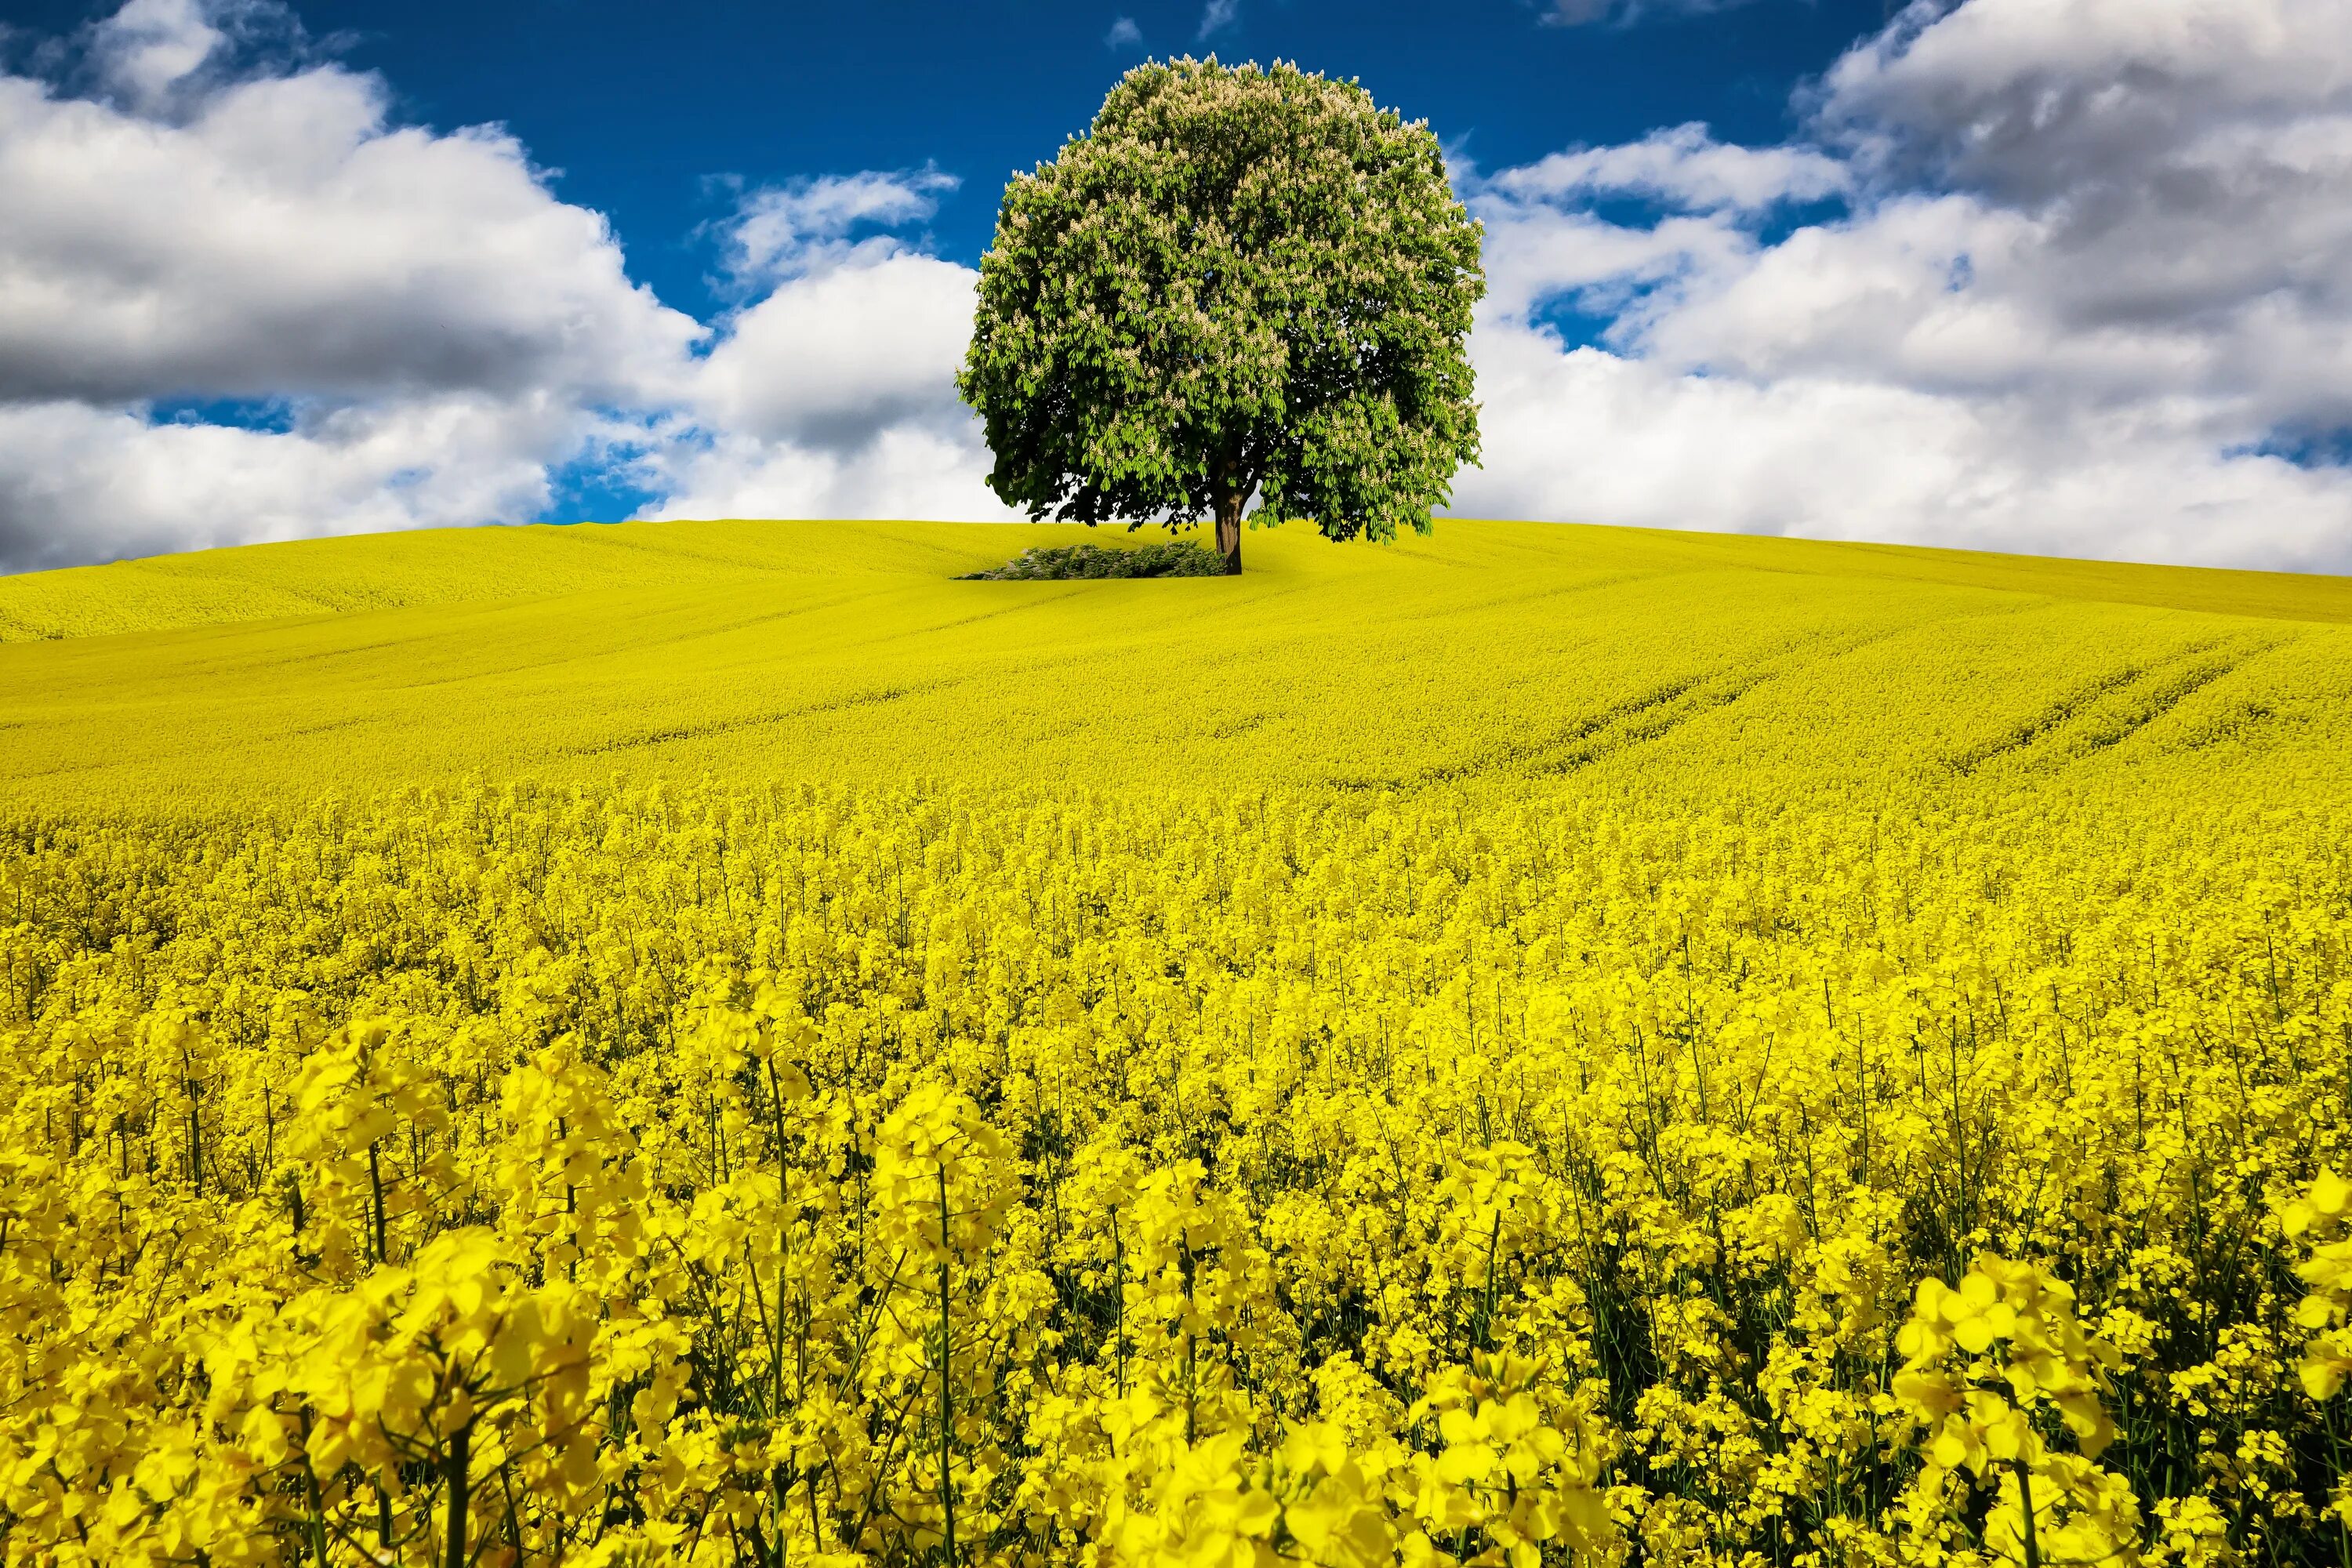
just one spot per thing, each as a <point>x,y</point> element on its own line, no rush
<point>1229,527</point>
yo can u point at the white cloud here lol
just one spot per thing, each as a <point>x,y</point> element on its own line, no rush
<point>285,240</point>
<point>783,232</point>
<point>832,395</point>
<point>831,357</point>
<point>1217,16</point>
<point>2096,263</point>
<point>437,329</point>
<point>80,483</point>
<point>1536,252</point>
<point>1682,167</point>
<point>2032,99</point>
<point>434,332</point>
<point>1583,434</point>
<point>150,47</point>
<point>2089,272</point>
<point>907,470</point>
<point>1123,35</point>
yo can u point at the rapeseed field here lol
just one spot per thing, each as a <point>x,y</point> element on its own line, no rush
<point>716,1044</point>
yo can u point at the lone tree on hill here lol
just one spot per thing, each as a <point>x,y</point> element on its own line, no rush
<point>1237,281</point>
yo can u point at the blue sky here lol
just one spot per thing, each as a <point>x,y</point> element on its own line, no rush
<point>650,111</point>
<point>2066,276</point>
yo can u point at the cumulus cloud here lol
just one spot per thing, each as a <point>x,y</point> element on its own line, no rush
<point>150,47</point>
<point>2033,102</point>
<point>2088,290</point>
<point>1584,434</point>
<point>2069,276</point>
<point>436,328</point>
<point>786,231</point>
<point>204,216</point>
<point>1682,167</point>
<point>86,483</point>
<point>285,241</point>
<point>906,470</point>
<point>833,394</point>
<point>1123,33</point>
<point>831,357</point>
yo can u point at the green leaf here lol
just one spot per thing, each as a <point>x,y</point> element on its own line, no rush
<point>1238,281</point>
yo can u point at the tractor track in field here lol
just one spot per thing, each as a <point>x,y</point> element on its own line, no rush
<point>2171,694</point>
<point>673,733</point>
<point>2079,702</point>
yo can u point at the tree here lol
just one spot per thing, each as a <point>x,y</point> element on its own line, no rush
<point>1237,281</point>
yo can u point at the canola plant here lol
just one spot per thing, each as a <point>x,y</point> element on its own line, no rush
<point>1561,1050</point>
<point>725,1175</point>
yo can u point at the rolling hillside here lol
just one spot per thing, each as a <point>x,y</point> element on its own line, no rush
<point>1555,1046</point>
<point>844,651</point>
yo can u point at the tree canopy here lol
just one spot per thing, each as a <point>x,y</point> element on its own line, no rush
<point>1237,281</point>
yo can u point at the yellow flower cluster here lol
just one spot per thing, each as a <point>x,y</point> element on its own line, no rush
<point>2321,1215</point>
<point>916,1179</point>
<point>1978,1362</point>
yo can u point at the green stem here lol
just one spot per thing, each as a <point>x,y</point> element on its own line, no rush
<point>2025,1502</point>
<point>1480,1337</point>
<point>376,1184</point>
<point>947,1387</point>
<point>460,1476</point>
<point>1118,1300</point>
